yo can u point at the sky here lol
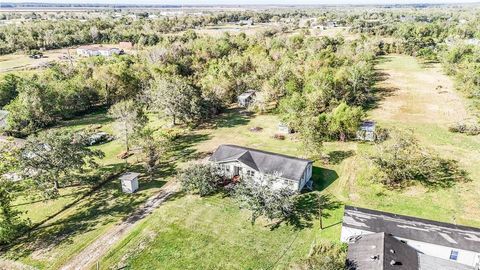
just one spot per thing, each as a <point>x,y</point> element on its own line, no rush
<point>247,2</point>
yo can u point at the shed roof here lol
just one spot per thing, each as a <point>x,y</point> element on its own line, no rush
<point>247,94</point>
<point>367,126</point>
<point>129,176</point>
<point>423,230</point>
<point>266,162</point>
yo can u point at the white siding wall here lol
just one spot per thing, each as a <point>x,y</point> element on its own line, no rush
<point>464,256</point>
<point>279,183</point>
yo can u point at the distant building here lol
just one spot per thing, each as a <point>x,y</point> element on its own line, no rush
<point>126,45</point>
<point>246,163</point>
<point>88,51</point>
<point>331,24</point>
<point>366,131</point>
<point>246,22</point>
<point>380,240</point>
<point>246,98</point>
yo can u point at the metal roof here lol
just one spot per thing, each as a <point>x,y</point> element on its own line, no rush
<point>247,94</point>
<point>380,251</point>
<point>423,230</point>
<point>266,162</point>
<point>129,176</point>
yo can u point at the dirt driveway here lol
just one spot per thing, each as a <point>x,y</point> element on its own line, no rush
<point>94,252</point>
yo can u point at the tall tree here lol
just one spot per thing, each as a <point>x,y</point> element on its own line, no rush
<point>54,158</point>
<point>344,120</point>
<point>179,100</point>
<point>11,225</point>
<point>153,146</point>
<point>130,119</point>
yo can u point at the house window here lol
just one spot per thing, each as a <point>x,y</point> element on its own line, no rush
<point>250,173</point>
<point>454,255</point>
<point>225,168</point>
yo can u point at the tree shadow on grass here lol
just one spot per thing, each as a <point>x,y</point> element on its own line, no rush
<point>102,207</point>
<point>308,208</point>
<point>182,149</point>
<point>378,93</point>
<point>230,118</point>
<point>336,157</point>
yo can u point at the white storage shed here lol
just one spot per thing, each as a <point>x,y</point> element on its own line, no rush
<point>129,182</point>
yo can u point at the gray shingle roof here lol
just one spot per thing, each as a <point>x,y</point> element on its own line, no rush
<point>266,162</point>
<point>423,230</point>
<point>380,251</point>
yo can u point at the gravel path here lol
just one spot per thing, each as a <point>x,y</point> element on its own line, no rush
<point>94,252</point>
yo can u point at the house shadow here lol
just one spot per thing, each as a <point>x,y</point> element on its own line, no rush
<point>231,117</point>
<point>323,178</point>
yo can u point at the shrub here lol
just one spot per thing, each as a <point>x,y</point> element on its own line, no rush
<point>201,179</point>
<point>467,128</point>
<point>403,159</point>
<point>325,256</point>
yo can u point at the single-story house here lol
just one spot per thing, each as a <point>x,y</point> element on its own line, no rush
<point>366,132</point>
<point>96,50</point>
<point>247,163</point>
<point>246,98</point>
<point>379,239</point>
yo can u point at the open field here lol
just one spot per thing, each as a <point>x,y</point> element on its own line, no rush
<point>212,232</point>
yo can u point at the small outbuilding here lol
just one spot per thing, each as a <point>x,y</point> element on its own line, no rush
<point>129,181</point>
<point>366,131</point>
<point>284,128</point>
<point>246,98</point>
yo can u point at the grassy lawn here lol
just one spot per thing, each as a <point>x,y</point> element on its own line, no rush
<point>211,233</point>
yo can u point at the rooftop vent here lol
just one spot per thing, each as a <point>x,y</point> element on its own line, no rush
<point>392,251</point>
<point>393,262</point>
<point>375,257</point>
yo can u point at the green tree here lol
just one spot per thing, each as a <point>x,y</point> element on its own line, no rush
<point>402,159</point>
<point>32,109</point>
<point>344,121</point>
<point>202,179</point>
<point>54,158</point>
<point>8,88</point>
<point>154,147</point>
<point>179,100</point>
<point>129,118</point>
<point>263,200</point>
<point>11,225</point>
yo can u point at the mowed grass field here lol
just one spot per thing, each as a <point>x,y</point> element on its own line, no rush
<point>212,233</point>
<point>188,232</point>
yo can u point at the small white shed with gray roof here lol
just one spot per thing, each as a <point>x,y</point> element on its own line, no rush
<point>129,181</point>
